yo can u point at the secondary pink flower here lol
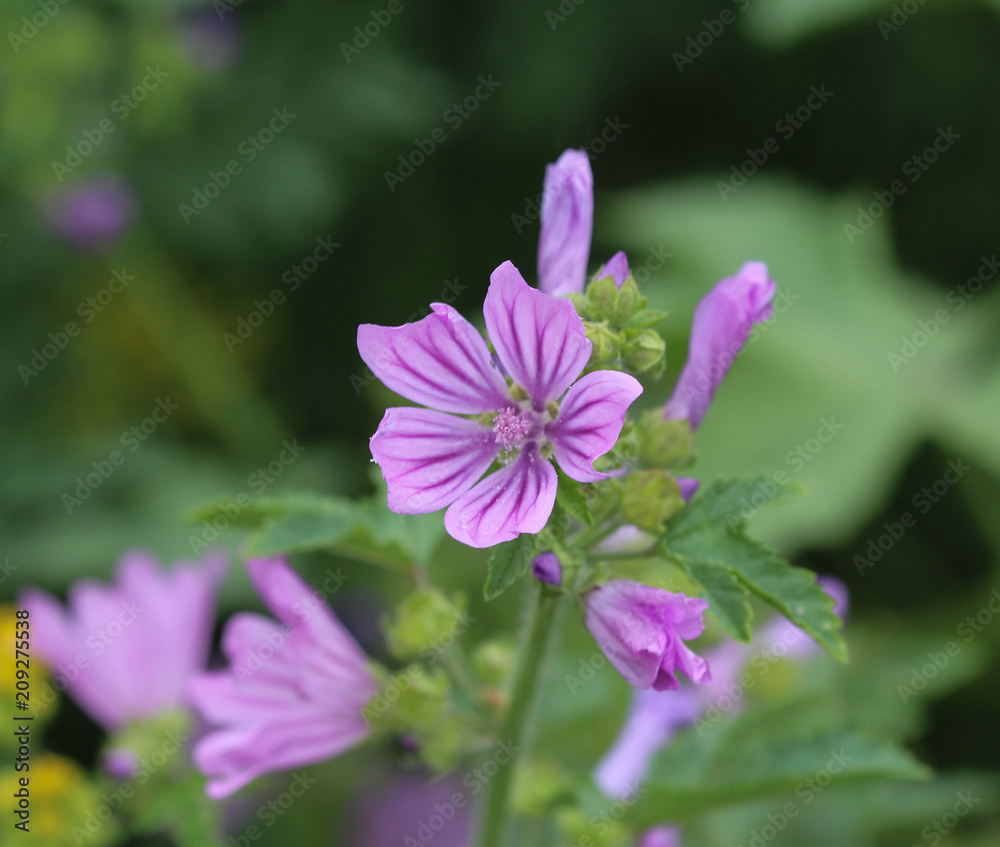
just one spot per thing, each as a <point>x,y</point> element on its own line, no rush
<point>434,459</point>
<point>642,631</point>
<point>293,693</point>
<point>655,717</point>
<point>567,223</point>
<point>722,323</point>
<point>126,651</point>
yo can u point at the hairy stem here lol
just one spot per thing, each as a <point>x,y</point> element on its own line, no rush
<point>517,724</point>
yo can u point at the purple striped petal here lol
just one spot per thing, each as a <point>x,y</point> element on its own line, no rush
<point>541,340</point>
<point>722,323</point>
<point>517,498</point>
<point>640,629</point>
<point>567,221</point>
<point>590,420</point>
<point>293,694</point>
<point>430,458</point>
<point>440,361</point>
<point>616,268</point>
<point>235,756</point>
<point>326,642</point>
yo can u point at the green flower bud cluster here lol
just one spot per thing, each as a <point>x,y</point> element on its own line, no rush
<point>620,326</point>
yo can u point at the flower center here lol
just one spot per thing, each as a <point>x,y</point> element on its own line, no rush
<point>510,428</point>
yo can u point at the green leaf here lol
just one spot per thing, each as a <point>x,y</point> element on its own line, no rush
<point>507,563</point>
<point>571,497</point>
<point>366,531</point>
<point>692,777</point>
<point>730,502</point>
<point>709,533</point>
<point>728,598</point>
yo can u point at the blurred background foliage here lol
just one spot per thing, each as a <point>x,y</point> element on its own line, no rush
<point>210,78</point>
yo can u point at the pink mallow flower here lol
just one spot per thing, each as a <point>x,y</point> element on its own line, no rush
<point>642,631</point>
<point>127,651</point>
<point>293,693</point>
<point>722,323</point>
<point>434,459</point>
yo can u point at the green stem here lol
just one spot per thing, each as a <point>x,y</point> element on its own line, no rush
<point>517,722</point>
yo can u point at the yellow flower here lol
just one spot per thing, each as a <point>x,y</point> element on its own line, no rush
<point>41,695</point>
<point>62,799</point>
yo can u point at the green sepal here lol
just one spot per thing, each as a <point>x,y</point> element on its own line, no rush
<point>419,622</point>
<point>650,498</point>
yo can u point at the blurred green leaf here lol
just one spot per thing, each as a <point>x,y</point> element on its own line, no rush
<point>693,777</point>
<point>814,393</point>
<point>363,530</point>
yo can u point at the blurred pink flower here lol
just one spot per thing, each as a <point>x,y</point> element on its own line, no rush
<point>127,651</point>
<point>92,213</point>
<point>293,693</point>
